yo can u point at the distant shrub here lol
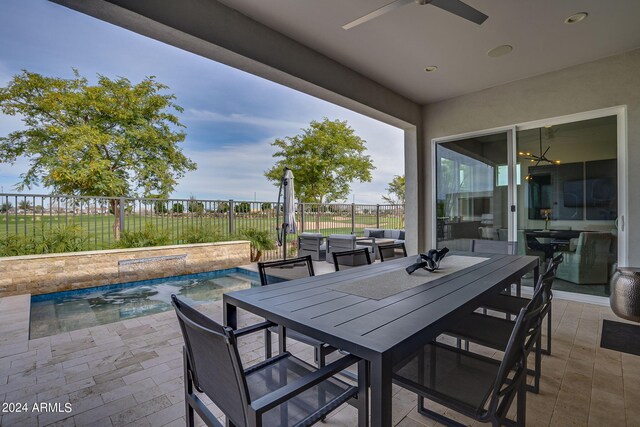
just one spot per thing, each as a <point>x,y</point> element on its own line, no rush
<point>64,238</point>
<point>265,206</point>
<point>196,206</point>
<point>149,236</point>
<point>13,245</point>
<point>177,208</point>
<point>261,240</point>
<point>223,207</point>
<point>160,207</point>
<point>5,207</point>
<point>242,207</point>
<point>200,234</point>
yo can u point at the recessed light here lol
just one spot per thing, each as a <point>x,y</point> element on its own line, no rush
<point>430,68</point>
<point>576,17</point>
<point>500,50</point>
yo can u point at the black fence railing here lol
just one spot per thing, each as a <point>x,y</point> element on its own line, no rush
<point>35,223</point>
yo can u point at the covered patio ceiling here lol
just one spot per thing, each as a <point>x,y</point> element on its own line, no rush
<point>302,43</point>
<point>395,48</point>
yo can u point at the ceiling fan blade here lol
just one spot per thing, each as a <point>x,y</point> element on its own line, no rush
<point>461,9</point>
<point>384,9</point>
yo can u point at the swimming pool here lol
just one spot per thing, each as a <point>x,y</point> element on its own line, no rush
<point>71,310</point>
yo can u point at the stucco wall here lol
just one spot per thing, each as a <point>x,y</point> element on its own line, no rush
<point>608,82</point>
<point>43,274</point>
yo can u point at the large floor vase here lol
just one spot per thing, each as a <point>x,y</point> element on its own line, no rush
<point>625,293</point>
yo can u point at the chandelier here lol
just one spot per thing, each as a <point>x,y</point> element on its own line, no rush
<point>542,158</point>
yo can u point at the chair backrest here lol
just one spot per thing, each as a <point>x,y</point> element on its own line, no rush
<point>545,283</point>
<point>526,326</point>
<point>351,258</point>
<point>340,242</point>
<point>282,270</point>
<point>493,247</point>
<point>555,262</point>
<point>312,240</point>
<point>214,362</point>
<point>395,250</point>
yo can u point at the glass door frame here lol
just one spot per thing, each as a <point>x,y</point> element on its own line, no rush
<point>623,185</point>
<point>512,217</point>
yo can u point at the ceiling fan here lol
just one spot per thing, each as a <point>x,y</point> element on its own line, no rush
<point>456,7</point>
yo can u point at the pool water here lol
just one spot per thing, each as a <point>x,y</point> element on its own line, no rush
<point>71,310</point>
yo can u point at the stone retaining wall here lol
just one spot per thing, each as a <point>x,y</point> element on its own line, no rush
<point>43,274</point>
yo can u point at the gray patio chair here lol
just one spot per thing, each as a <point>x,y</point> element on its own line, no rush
<point>493,332</point>
<point>280,391</point>
<point>493,247</point>
<point>347,259</point>
<point>395,250</point>
<point>497,247</point>
<point>477,386</point>
<point>280,271</point>
<point>312,244</point>
<point>511,304</point>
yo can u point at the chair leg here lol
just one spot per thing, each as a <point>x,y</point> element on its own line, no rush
<point>522,403</point>
<point>548,349</point>
<point>536,378</point>
<point>188,390</point>
<point>267,344</point>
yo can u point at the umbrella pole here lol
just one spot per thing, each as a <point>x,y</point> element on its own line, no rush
<point>285,225</point>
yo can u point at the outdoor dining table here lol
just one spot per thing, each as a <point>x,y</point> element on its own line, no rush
<point>379,312</point>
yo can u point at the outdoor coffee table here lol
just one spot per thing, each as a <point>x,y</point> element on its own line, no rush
<point>380,313</point>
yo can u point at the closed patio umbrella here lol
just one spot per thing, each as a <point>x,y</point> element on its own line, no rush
<point>289,225</point>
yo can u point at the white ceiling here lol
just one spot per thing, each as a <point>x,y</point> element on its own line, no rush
<point>395,48</point>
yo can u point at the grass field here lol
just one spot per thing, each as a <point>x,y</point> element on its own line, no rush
<point>98,229</point>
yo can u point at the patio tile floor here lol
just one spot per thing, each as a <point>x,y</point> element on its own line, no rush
<point>130,373</point>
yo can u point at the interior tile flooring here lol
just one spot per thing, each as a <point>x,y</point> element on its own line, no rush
<point>130,373</point>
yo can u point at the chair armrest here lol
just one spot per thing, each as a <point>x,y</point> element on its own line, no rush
<point>253,328</point>
<point>271,400</point>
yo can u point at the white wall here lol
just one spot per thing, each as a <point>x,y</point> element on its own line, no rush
<point>608,82</point>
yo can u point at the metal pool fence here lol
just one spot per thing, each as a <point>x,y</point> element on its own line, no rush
<point>91,223</point>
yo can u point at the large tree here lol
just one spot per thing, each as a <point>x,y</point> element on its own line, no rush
<point>395,191</point>
<point>114,138</point>
<point>325,159</point>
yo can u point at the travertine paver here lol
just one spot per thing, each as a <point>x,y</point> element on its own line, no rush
<point>130,373</point>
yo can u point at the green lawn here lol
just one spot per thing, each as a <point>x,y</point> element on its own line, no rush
<point>99,228</point>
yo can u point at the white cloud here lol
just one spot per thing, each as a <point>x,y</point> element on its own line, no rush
<point>230,172</point>
<point>237,171</point>
<point>212,116</point>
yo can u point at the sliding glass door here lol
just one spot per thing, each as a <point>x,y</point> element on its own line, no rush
<point>554,186</point>
<point>474,190</point>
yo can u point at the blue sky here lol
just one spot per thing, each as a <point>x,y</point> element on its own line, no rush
<point>231,116</point>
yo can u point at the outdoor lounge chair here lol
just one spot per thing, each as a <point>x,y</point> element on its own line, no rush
<point>395,250</point>
<point>282,270</point>
<point>477,386</point>
<point>312,244</point>
<point>280,391</point>
<point>341,242</point>
<point>353,258</point>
